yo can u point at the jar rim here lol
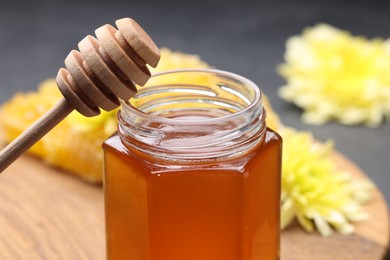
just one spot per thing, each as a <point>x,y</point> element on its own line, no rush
<point>212,120</point>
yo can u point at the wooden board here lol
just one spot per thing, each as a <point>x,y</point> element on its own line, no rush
<point>47,214</point>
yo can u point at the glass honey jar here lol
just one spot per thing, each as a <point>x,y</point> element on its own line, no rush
<point>193,172</point>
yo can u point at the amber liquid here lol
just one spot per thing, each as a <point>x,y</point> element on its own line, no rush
<point>216,211</point>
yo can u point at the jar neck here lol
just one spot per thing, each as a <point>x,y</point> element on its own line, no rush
<point>194,114</point>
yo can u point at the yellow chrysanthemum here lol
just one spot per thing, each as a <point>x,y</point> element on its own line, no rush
<point>314,191</point>
<point>335,76</point>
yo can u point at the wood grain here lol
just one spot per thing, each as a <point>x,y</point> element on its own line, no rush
<point>48,214</point>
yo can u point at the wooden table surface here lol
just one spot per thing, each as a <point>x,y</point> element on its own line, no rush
<point>48,214</point>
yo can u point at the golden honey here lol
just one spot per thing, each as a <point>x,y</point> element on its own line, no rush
<point>193,173</point>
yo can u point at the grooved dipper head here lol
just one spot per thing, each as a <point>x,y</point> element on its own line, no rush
<point>106,68</point>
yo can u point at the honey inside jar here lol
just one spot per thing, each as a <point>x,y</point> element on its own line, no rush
<point>193,172</point>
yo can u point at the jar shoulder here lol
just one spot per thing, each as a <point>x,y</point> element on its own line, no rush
<point>272,137</point>
<point>269,148</point>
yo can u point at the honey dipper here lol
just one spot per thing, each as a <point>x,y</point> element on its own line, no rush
<point>104,70</point>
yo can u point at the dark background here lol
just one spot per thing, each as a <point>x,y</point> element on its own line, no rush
<point>247,37</point>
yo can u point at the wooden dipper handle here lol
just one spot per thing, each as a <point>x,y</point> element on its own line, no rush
<point>103,71</point>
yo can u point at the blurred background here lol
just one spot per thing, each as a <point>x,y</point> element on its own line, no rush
<point>247,37</point>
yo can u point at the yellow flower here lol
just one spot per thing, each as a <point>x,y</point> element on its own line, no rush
<point>333,75</point>
<point>314,191</point>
